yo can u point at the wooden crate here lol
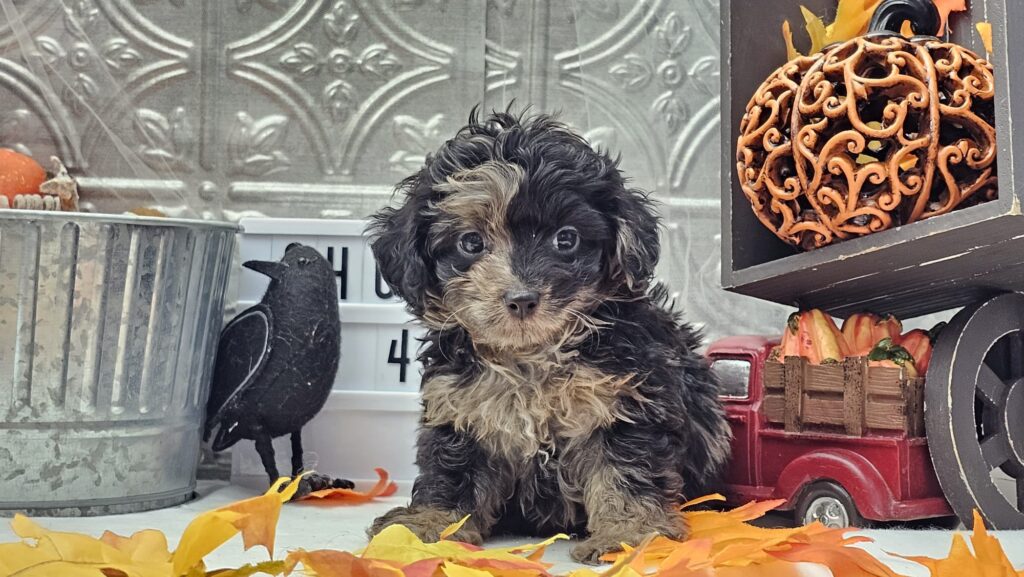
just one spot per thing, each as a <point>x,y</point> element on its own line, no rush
<point>850,395</point>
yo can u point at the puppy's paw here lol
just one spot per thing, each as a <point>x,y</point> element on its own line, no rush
<point>427,523</point>
<point>590,551</point>
<point>612,537</point>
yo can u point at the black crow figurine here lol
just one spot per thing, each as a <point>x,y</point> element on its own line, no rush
<point>276,362</point>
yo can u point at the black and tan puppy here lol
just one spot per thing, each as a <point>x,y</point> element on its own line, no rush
<point>559,394</point>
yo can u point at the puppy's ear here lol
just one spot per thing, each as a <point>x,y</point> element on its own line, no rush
<point>397,248</point>
<point>636,241</point>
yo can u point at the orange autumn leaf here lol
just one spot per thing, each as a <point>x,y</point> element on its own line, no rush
<point>947,6</point>
<point>724,543</point>
<point>339,564</point>
<point>383,488</point>
<point>787,36</point>
<point>840,558</point>
<point>988,558</point>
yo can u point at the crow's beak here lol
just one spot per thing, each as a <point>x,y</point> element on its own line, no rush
<point>274,270</point>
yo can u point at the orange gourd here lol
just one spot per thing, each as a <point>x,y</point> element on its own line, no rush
<point>858,329</point>
<point>864,330</point>
<point>888,354</point>
<point>888,327</point>
<point>919,344</point>
<point>813,335</point>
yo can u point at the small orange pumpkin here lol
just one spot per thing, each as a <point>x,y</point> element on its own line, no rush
<point>888,354</point>
<point>919,344</point>
<point>864,330</point>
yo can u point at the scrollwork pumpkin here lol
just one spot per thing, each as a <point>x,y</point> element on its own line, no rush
<point>875,132</point>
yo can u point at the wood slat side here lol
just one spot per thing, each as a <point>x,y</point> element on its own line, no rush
<point>855,373</point>
<point>824,379</point>
<point>915,407</point>
<point>823,411</point>
<point>887,415</point>
<point>774,375</point>
<point>795,370</point>
<point>774,408</point>
<point>885,382</point>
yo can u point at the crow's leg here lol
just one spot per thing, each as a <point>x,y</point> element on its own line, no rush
<point>297,453</point>
<point>312,481</point>
<point>265,448</point>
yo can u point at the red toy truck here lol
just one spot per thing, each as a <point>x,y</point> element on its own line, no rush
<point>823,473</point>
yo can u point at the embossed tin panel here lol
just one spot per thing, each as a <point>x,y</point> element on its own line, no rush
<point>317,107</point>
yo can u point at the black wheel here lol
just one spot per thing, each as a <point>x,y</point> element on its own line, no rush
<point>829,504</point>
<point>974,412</point>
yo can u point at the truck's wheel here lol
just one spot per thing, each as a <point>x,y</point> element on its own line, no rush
<point>973,401</point>
<point>829,504</point>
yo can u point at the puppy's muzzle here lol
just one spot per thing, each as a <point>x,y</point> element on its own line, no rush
<point>522,304</point>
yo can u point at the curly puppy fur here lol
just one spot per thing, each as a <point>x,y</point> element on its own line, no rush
<point>582,407</point>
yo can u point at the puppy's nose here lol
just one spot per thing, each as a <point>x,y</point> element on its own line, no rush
<point>521,303</point>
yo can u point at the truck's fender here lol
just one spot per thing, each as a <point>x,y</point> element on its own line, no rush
<point>856,474</point>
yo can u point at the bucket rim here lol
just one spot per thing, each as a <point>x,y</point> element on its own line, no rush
<point>108,218</point>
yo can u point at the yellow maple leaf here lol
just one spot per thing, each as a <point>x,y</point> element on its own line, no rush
<point>852,18</point>
<point>454,528</point>
<point>255,518</point>
<point>399,547</point>
<point>985,31</point>
<point>264,568</point>
<point>142,546</point>
<point>815,30</point>
<point>453,570</point>
<point>46,553</point>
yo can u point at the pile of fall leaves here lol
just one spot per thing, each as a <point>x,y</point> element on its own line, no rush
<point>720,544</point>
<point>852,18</point>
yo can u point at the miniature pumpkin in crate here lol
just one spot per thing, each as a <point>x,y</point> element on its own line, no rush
<point>863,331</point>
<point>871,133</point>
<point>811,334</point>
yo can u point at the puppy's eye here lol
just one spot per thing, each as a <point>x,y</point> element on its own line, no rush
<point>303,261</point>
<point>471,243</point>
<point>567,239</point>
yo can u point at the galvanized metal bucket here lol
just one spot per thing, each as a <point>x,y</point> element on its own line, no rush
<point>108,331</point>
